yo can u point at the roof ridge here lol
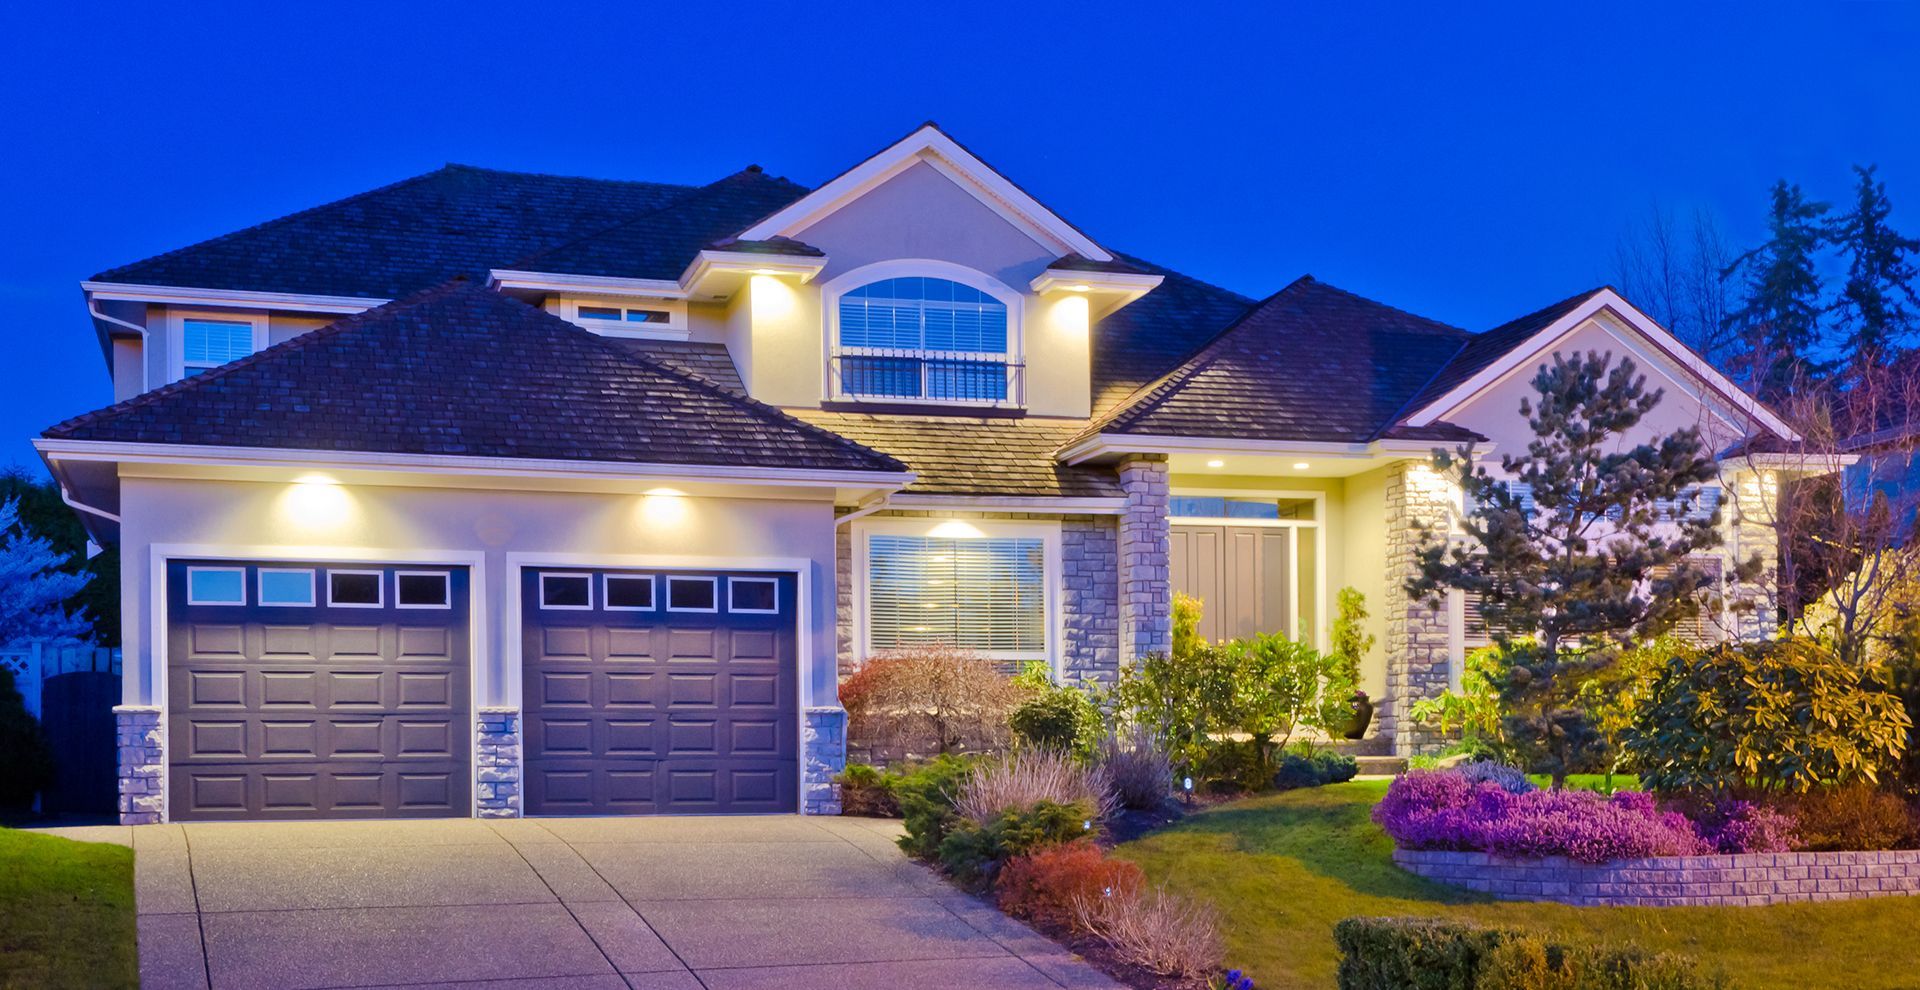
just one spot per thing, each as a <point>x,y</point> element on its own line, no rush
<point>559,175</point>
<point>1163,270</point>
<point>1375,302</point>
<point>1575,298</point>
<point>675,203</point>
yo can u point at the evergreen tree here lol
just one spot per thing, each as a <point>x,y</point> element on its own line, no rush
<point>1778,321</point>
<point>1595,555</point>
<point>1872,307</point>
<point>32,588</point>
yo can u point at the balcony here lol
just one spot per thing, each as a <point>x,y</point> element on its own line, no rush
<point>892,375</point>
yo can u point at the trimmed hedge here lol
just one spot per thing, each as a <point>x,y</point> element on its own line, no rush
<point>1432,954</point>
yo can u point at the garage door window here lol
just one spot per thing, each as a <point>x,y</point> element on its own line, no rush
<point>629,592</point>
<point>986,594</point>
<point>216,586</point>
<point>566,591</point>
<point>286,586</point>
<point>754,596</point>
<point>422,589</point>
<point>354,589</point>
<point>692,594</point>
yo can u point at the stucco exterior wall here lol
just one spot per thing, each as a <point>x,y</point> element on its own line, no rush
<point>1364,550</point>
<point>921,213</point>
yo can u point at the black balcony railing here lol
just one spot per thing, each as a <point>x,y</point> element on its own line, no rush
<point>873,373</point>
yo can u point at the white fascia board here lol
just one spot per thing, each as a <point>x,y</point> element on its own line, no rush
<point>928,144</point>
<point>805,267</point>
<point>240,298</point>
<point>597,285</point>
<point>1811,463</point>
<point>1103,444</point>
<point>1606,300</point>
<point>1135,285</point>
<point>1082,506</point>
<point>509,467</point>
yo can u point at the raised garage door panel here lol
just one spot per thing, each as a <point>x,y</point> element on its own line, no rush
<point>317,711</point>
<point>634,709</point>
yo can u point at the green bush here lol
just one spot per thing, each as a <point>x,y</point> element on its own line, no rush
<point>867,791</point>
<point>1431,954</point>
<point>26,763</point>
<point>1783,715</point>
<point>972,851</point>
<point>1057,717</point>
<point>926,794</point>
<point>1299,769</point>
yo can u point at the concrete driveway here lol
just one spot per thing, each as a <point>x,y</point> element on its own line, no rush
<point>582,904</point>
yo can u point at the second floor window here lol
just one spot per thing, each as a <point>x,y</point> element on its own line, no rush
<point>211,343</point>
<point>917,338</point>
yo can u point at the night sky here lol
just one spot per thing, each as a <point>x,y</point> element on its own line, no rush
<point>1468,162</point>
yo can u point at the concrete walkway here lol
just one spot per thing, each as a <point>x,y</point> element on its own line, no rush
<point>581,904</point>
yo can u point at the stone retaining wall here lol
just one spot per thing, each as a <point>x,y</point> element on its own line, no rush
<point>1675,881</point>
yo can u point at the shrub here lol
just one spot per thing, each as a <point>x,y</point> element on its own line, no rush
<point>973,850</point>
<point>867,791</point>
<point>1156,929</point>
<point>1314,770</point>
<point>26,762</point>
<point>1851,817</point>
<point>1057,717</point>
<point>1786,715</point>
<point>930,700</point>
<point>1044,885</point>
<point>1029,777</point>
<point>1745,827</point>
<point>1137,768</point>
<point>1432,954</point>
<point>926,794</point>
<point>1513,780</point>
<point>1439,809</point>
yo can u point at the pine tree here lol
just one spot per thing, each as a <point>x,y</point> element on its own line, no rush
<point>1778,322</point>
<point>1872,307</point>
<point>33,588</point>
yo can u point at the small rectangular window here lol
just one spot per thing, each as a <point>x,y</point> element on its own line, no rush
<point>566,591</point>
<point>647,316</point>
<point>759,596</point>
<point>422,589</point>
<point>629,592</point>
<point>599,312</point>
<point>210,343</point>
<point>216,586</point>
<point>693,594</point>
<point>355,589</point>
<point>286,586</point>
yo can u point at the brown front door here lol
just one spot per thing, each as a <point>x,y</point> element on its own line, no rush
<point>1243,576</point>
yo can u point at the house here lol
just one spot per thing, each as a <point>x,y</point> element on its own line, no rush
<point>495,493</point>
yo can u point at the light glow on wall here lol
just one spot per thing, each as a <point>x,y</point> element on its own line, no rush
<point>1069,314</point>
<point>664,508</point>
<point>772,298</point>
<point>316,502</point>
<point>956,529</point>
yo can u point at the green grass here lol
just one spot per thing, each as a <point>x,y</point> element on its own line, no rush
<point>66,913</point>
<point>1283,868</point>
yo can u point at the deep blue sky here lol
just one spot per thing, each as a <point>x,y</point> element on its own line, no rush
<point>1463,161</point>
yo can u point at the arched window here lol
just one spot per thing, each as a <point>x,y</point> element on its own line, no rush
<point>921,338</point>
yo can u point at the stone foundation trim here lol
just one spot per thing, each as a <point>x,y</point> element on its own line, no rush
<point>823,755</point>
<point>496,763</point>
<point>143,764</point>
<point>1745,880</point>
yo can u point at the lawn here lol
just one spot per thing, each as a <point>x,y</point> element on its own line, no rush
<point>1283,868</point>
<point>66,913</point>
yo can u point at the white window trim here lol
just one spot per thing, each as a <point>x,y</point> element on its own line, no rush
<point>544,607</point>
<point>1321,596</point>
<point>446,581</point>
<point>676,327</point>
<point>713,582</point>
<point>606,593</point>
<point>1048,533</point>
<point>735,609</point>
<point>191,571</point>
<point>177,333</point>
<point>381,584</point>
<point>1013,299</point>
<point>313,588</point>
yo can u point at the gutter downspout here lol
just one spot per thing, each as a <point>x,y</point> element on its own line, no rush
<point>93,310</point>
<point>866,508</point>
<point>94,549</point>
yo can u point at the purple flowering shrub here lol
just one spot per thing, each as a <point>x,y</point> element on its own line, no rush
<point>1439,809</point>
<point>1744,827</point>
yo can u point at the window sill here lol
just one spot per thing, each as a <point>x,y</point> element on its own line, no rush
<point>924,407</point>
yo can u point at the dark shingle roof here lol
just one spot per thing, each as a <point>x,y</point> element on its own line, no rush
<point>955,456</point>
<point>708,359</point>
<point>1081,263</point>
<point>399,239</point>
<point>1311,363</point>
<point>1151,335</point>
<point>460,370</point>
<point>660,244</point>
<point>1483,349</point>
<point>772,245</point>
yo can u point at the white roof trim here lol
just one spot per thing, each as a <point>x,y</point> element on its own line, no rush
<point>1106,444</point>
<point>1077,506</point>
<point>928,144</point>
<point>194,454</point>
<point>599,285</point>
<point>805,267</point>
<point>1608,301</point>
<point>240,298</point>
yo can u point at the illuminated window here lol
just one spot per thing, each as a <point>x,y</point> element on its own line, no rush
<point>210,343</point>
<point>623,314</point>
<point>916,338</point>
<point>986,594</point>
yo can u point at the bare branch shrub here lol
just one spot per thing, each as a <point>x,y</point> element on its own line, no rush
<point>1156,929</point>
<point>930,700</point>
<point>1029,776</point>
<point>1138,767</point>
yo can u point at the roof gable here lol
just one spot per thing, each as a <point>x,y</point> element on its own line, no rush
<point>462,371</point>
<point>932,146</point>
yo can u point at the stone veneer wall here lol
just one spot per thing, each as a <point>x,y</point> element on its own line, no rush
<point>496,765</point>
<point>1146,581</point>
<point>1675,881</point>
<point>824,754</point>
<point>143,764</point>
<point>1417,641</point>
<point>1746,528</point>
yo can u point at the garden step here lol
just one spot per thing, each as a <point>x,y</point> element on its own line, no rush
<point>1382,765</point>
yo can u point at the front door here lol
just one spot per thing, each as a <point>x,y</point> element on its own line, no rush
<point>1243,576</point>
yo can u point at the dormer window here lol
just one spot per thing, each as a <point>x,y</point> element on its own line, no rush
<point>621,314</point>
<point>647,319</point>
<point>203,340</point>
<point>924,339</point>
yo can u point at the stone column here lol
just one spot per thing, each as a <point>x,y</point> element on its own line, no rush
<point>824,755</point>
<point>1747,517</point>
<point>1146,593</point>
<point>497,765</point>
<point>1417,639</point>
<point>1090,598</point>
<point>143,764</point>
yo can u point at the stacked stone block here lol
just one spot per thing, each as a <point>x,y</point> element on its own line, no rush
<point>143,764</point>
<point>1747,520</point>
<point>1745,880</point>
<point>496,764</point>
<point>824,750</point>
<point>1418,639</point>
<point>1090,598</point>
<point>1146,595</point>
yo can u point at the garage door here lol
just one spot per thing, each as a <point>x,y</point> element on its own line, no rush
<point>660,692</point>
<point>312,690</point>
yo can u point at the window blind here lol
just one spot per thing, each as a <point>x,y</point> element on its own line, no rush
<point>978,594</point>
<point>214,342</point>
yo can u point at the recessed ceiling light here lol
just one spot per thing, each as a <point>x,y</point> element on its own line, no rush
<point>1300,465</point>
<point>1083,287</point>
<point>1216,464</point>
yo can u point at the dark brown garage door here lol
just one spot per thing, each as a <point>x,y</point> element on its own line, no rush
<point>312,690</point>
<point>653,692</point>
